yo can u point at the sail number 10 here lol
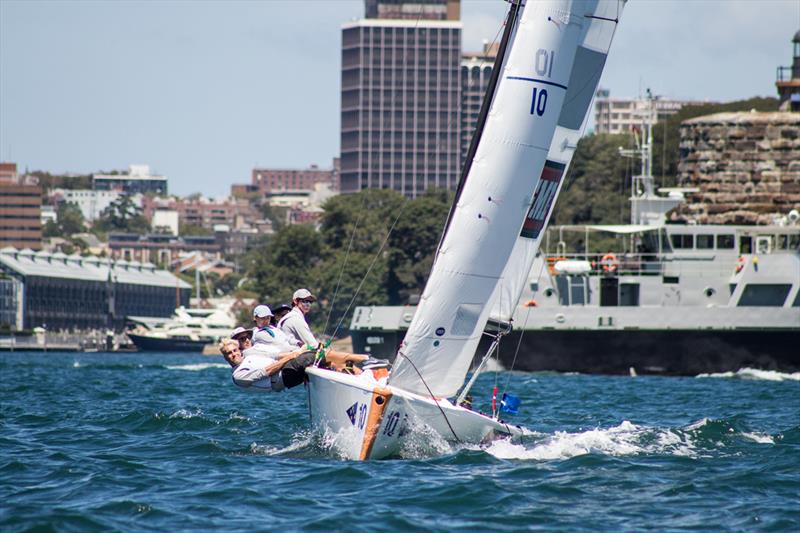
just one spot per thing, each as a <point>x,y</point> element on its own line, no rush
<point>539,101</point>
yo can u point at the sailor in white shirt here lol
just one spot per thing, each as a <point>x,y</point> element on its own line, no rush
<point>294,322</point>
<point>268,337</point>
<point>260,370</point>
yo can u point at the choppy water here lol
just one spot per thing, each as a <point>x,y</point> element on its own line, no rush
<point>166,442</point>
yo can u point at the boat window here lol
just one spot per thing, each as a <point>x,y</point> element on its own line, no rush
<point>782,242</point>
<point>745,244</point>
<point>732,286</point>
<point>764,294</point>
<point>794,241</point>
<point>705,242</point>
<point>682,241</point>
<point>763,244</point>
<point>725,242</point>
<point>671,279</point>
<point>796,302</point>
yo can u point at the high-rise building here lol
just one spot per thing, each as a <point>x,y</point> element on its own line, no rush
<point>20,211</point>
<point>269,180</point>
<point>476,70</point>
<point>401,94</point>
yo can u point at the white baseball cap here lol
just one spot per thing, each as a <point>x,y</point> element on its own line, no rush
<point>261,311</point>
<point>303,294</point>
<point>238,331</point>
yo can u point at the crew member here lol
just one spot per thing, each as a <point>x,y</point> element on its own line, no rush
<point>263,372</point>
<point>268,337</point>
<point>294,323</point>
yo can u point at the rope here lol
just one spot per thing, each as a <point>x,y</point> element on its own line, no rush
<point>372,264</point>
<point>447,421</point>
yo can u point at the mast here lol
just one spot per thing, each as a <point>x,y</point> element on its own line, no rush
<point>484,112</point>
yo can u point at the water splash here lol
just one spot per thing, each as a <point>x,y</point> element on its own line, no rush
<point>198,366</point>
<point>622,440</point>
<point>755,374</point>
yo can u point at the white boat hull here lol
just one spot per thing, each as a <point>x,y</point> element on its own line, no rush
<point>370,421</point>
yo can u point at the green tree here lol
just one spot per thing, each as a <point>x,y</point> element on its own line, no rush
<point>413,243</point>
<point>122,215</point>
<point>69,221</point>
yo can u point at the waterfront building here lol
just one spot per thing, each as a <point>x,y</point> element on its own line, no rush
<point>788,79</point>
<point>476,70</point>
<point>401,97</point>
<point>621,115</point>
<point>137,180</point>
<point>20,210</point>
<point>61,292</point>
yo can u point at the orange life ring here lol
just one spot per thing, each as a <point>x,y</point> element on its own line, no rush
<point>740,263</point>
<point>609,262</point>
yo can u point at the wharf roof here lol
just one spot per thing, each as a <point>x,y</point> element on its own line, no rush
<point>58,265</point>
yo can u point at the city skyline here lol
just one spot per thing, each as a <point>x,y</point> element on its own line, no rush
<point>205,92</point>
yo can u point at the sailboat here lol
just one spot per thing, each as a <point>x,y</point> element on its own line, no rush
<point>547,69</point>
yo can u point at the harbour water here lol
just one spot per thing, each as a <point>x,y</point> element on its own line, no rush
<point>166,442</point>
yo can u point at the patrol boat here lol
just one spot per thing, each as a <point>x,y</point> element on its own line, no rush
<point>675,299</point>
<point>549,62</point>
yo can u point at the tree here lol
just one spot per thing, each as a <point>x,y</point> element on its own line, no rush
<point>122,215</point>
<point>69,221</point>
<point>413,243</point>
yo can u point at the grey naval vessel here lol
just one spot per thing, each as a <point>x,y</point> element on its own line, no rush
<point>678,299</point>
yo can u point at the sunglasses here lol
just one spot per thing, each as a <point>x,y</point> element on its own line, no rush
<point>307,301</point>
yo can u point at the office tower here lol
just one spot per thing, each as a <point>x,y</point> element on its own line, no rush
<point>401,93</point>
<point>476,70</point>
<point>20,210</point>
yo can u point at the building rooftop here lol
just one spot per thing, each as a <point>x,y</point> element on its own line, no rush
<point>26,262</point>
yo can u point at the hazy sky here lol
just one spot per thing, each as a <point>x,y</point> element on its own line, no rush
<point>204,91</point>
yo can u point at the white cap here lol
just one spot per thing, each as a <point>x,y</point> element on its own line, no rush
<point>238,331</point>
<point>303,294</point>
<point>261,311</point>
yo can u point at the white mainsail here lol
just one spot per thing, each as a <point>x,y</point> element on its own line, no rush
<point>589,61</point>
<point>498,194</point>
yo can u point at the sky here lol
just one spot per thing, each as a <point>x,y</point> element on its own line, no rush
<point>203,91</point>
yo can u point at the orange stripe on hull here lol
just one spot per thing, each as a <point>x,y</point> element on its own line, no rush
<point>380,399</point>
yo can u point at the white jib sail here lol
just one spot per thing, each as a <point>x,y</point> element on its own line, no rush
<point>441,340</point>
<point>583,80</point>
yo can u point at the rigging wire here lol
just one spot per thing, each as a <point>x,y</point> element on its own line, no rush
<point>447,420</point>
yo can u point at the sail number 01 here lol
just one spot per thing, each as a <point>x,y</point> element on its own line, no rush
<point>544,67</point>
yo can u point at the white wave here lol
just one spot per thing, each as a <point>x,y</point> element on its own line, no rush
<point>759,438</point>
<point>300,440</point>
<point>186,414</point>
<point>622,440</point>
<point>197,366</point>
<point>755,374</point>
<point>76,364</point>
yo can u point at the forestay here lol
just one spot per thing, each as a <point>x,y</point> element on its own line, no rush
<point>496,197</point>
<point>589,61</point>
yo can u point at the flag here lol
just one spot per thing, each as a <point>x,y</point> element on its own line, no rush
<point>509,404</point>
